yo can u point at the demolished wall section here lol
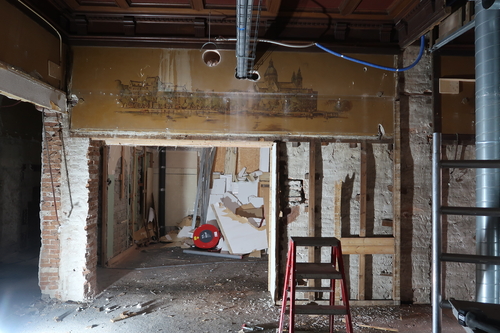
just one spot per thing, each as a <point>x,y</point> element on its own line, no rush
<point>416,186</point>
<point>68,254</point>
<point>50,207</point>
<point>91,227</point>
<point>340,162</point>
<point>459,232</point>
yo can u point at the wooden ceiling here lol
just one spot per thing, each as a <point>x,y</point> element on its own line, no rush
<point>382,26</point>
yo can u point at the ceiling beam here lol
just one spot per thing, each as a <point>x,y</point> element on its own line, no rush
<point>273,6</point>
<point>122,4</point>
<point>197,4</point>
<point>348,7</point>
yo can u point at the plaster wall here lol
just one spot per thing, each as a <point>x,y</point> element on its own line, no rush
<point>75,207</point>
<point>27,45</point>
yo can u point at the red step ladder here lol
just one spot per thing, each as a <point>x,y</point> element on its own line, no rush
<point>334,270</point>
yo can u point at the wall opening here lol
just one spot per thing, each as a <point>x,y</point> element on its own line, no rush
<point>240,180</point>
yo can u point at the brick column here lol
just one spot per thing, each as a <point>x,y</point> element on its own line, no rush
<point>50,206</point>
<point>69,212</point>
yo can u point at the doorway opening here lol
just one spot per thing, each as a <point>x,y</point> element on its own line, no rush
<point>148,205</point>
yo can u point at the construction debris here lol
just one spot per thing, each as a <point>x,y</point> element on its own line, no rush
<point>62,316</point>
<point>124,315</point>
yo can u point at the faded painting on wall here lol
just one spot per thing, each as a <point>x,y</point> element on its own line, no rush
<point>174,92</point>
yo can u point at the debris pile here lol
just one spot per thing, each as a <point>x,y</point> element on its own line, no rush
<point>236,207</point>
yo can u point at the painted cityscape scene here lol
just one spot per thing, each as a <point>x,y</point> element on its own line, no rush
<point>270,98</point>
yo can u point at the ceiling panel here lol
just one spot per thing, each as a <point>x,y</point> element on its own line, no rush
<point>97,3</point>
<point>375,6</point>
<point>369,25</point>
<point>311,5</point>
<point>160,3</point>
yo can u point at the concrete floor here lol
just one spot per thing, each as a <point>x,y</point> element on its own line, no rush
<point>169,291</point>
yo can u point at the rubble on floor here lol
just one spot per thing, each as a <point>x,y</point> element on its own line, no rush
<point>165,290</point>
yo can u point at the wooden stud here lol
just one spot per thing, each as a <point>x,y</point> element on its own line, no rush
<point>396,206</point>
<point>337,210</point>
<point>105,158</point>
<point>312,208</point>
<point>230,161</point>
<point>362,221</point>
<point>122,174</point>
<point>362,185</point>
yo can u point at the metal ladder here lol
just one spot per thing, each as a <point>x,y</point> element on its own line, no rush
<point>332,271</point>
<point>437,211</point>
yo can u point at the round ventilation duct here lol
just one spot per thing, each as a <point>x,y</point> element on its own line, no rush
<point>211,58</point>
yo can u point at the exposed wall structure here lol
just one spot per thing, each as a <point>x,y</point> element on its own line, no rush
<point>340,162</point>
<point>68,213</point>
<point>416,126</point>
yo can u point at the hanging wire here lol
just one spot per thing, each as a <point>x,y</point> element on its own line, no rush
<point>50,25</point>
<point>9,106</point>
<point>50,167</point>
<point>303,46</point>
<point>392,69</point>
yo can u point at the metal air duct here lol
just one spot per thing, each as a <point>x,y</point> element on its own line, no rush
<point>243,29</point>
<point>487,41</point>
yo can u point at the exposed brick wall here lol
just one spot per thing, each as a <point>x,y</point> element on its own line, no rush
<point>94,164</point>
<point>55,217</point>
<point>50,206</point>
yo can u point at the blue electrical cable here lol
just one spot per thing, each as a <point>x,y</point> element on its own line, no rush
<point>392,69</point>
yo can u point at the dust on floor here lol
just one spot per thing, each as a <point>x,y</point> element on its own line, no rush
<point>162,289</point>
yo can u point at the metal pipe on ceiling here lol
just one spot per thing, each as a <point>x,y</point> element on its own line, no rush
<point>487,45</point>
<point>243,29</point>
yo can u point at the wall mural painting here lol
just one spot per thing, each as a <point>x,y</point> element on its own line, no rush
<point>174,92</point>
<point>270,98</point>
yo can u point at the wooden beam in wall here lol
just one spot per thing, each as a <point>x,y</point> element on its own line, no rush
<point>368,245</point>
<point>183,143</point>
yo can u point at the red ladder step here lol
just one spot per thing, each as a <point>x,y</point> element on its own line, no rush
<point>332,271</point>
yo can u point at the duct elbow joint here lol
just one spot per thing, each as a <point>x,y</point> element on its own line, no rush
<point>491,4</point>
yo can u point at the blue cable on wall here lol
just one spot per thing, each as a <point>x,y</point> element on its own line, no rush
<point>392,69</point>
